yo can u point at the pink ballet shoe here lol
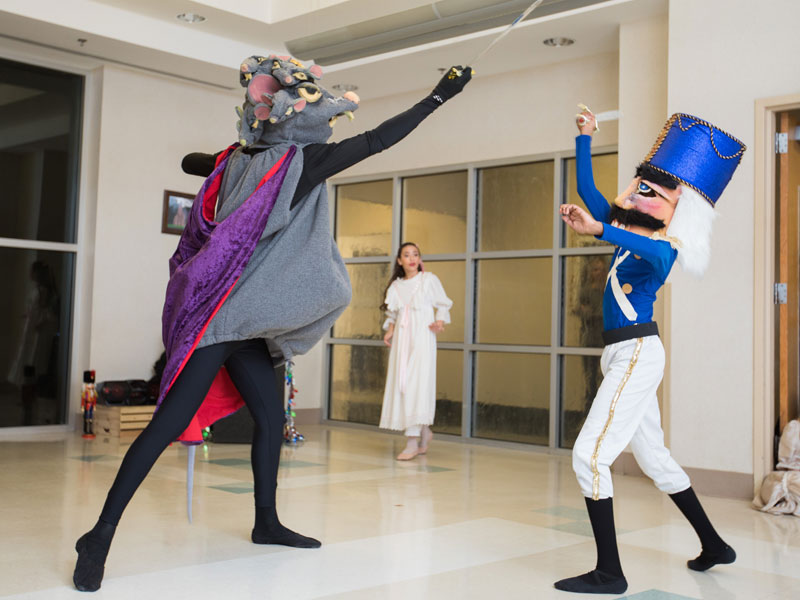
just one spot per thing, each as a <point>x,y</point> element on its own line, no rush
<point>408,455</point>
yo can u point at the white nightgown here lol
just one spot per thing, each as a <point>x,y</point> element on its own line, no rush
<point>412,305</point>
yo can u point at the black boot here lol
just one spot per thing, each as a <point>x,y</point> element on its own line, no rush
<point>607,577</point>
<point>714,549</point>
<point>92,548</point>
<point>268,530</point>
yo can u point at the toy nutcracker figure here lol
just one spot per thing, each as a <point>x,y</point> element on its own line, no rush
<point>88,402</point>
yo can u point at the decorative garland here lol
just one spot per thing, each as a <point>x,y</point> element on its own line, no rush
<point>290,434</point>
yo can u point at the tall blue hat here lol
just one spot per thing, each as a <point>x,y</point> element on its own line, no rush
<point>697,154</point>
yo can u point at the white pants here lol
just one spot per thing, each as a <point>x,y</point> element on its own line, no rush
<point>414,431</point>
<point>625,411</point>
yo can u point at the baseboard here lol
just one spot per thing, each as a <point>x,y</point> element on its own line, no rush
<point>708,482</point>
<point>308,416</point>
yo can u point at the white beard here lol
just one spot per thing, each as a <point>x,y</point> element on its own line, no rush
<point>691,225</point>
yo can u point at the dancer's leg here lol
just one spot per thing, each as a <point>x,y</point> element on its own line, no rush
<point>657,463</point>
<point>607,576</point>
<point>250,367</point>
<point>425,437</point>
<point>632,370</point>
<point>714,549</point>
<point>412,443</point>
<point>169,421</point>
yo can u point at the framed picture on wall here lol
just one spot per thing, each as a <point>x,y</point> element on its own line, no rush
<point>177,207</point>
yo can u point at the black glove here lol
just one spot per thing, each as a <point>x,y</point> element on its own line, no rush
<point>451,84</point>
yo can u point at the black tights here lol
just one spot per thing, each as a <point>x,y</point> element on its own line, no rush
<point>250,366</point>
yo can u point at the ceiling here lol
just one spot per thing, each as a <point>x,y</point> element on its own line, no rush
<point>146,34</point>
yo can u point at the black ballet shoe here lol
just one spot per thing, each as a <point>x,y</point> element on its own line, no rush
<point>706,560</point>
<point>286,537</point>
<point>92,548</point>
<point>593,582</point>
<point>90,565</point>
<point>269,530</point>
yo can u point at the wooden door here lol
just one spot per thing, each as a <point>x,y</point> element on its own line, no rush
<point>788,269</point>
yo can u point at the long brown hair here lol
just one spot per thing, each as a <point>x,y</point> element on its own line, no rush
<point>398,270</point>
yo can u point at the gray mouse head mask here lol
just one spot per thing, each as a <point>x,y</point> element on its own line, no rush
<point>285,102</point>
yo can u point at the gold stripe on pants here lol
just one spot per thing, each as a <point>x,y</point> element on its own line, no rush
<point>617,394</point>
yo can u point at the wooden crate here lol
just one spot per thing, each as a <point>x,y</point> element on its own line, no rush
<point>121,421</point>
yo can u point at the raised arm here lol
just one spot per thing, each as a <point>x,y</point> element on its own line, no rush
<point>588,192</point>
<point>321,161</point>
<point>591,196</point>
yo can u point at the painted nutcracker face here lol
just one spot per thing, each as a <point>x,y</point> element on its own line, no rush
<point>646,204</point>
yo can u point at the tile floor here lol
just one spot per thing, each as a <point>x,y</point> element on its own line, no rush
<point>465,522</point>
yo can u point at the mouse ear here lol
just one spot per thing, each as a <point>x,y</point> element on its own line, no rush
<point>299,105</point>
<point>249,64</point>
<point>262,111</point>
<point>316,71</point>
<point>260,85</point>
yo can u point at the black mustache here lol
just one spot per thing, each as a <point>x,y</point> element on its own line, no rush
<point>634,217</point>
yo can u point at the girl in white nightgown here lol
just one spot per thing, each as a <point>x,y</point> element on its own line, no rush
<point>417,308</point>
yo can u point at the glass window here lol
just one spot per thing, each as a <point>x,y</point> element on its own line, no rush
<point>583,284</point>
<point>35,336</point>
<point>40,119</point>
<point>364,218</point>
<point>580,379</point>
<point>435,212</point>
<point>514,298</point>
<point>451,273</point>
<point>512,397</point>
<point>363,318</point>
<point>358,377</point>
<point>516,207</point>
<point>604,167</point>
<point>449,390</point>
<point>514,303</point>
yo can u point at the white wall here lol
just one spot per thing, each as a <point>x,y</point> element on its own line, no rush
<point>642,91</point>
<point>506,116</point>
<point>148,124</point>
<point>723,55</point>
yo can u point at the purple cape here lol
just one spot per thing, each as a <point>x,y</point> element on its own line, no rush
<point>203,271</point>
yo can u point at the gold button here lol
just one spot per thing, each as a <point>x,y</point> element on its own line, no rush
<point>637,257</point>
<point>627,288</point>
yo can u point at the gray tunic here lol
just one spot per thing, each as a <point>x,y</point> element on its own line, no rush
<point>296,284</point>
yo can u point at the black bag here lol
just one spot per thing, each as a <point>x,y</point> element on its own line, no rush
<point>133,392</point>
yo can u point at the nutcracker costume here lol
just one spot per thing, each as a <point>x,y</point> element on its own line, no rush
<point>664,216</point>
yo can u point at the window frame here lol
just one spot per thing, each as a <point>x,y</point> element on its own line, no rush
<point>89,69</point>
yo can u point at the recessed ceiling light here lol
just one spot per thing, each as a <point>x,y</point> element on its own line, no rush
<point>557,42</point>
<point>191,17</point>
<point>345,87</point>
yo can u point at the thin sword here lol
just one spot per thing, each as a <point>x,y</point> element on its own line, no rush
<point>609,115</point>
<point>505,32</point>
<point>190,480</point>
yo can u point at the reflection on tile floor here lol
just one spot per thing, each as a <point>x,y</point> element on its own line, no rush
<point>465,521</point>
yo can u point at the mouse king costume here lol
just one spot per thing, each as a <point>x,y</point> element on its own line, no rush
<point>663,216</point>
<point>256,279</point>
